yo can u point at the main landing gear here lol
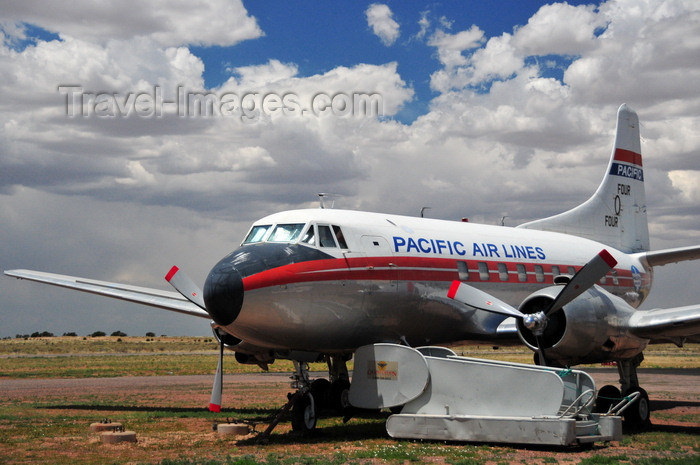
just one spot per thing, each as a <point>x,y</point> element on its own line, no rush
<point>636,415</point>
<point>313,397</point>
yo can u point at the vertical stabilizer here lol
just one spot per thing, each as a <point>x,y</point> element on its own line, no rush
<point>616,214</point>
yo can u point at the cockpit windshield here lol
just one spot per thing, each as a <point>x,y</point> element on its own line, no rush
<point>313,235</point>
<point>286,232</point>
<point>257,234</point>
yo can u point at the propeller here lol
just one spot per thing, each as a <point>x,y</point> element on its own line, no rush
<point>185,286</point>
<point>215,401</point>
<point>586,277</point>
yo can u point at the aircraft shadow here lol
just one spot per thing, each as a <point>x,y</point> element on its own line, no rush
<point>657,405</point>
<point>351,431</point>
<point>266,413</point>
<point>693,430</point>
<point>322,434</point>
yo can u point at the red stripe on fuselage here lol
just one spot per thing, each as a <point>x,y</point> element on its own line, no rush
<point>628,156</point>
<point>412,269</point>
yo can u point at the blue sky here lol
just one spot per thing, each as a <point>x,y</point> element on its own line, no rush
<point>490,109</point>
<point>318,36</point>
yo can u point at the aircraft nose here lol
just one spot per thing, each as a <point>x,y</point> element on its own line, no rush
<point>223,293</point>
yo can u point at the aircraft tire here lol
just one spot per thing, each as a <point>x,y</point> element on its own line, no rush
<point>638,414</point>
<point>608,396</point>
<point>321,390</point>
<point>304,415</point>
<point>340,390</point>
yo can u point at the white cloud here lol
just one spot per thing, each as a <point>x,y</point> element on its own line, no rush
<point>450,46</point>
<point>643,57</point>
<point>261,75</point>
<point>496,60</point>
<point>95,196</point>
<point>688,183</point>
<point>424,24</point>
<point>559,29</point>
<point>199,22</point>
<point>380,19</point>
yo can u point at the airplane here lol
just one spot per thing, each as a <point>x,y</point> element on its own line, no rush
<point>315,284</point>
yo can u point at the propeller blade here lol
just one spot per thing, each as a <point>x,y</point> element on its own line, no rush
<point>584,279</point>
<point>215,401</point>
<point>473,297</point>
<point>185,286</point>
<point>540,351</point>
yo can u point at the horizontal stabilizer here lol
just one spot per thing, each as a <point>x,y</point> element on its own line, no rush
<point>666,256</point>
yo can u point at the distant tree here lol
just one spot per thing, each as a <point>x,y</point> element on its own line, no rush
<point>71,334</point>
<point>118,333</point>
<point>98,334</point>
<point>42,334</point>
<point>150,334</point>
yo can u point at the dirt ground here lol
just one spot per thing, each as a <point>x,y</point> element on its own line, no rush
<point>674,394</point>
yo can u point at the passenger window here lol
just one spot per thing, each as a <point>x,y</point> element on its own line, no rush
<point>257,234</point>
<point>539,273</point>
<point>340,237</point>
<point>571,270</point>
<point>325,237</point>
<point>555,271</point>
<point>503,272</point>
<point>522,273</point>
<point>310,236</point>
<point>286,232</point>
<point>463,271</point>
<point>483,271</point>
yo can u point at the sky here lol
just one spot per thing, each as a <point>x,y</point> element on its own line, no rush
<point>136,135</point>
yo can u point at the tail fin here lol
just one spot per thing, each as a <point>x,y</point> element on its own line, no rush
<point>616,214</point>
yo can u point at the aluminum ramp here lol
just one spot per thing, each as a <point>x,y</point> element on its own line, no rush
<point>446,397</point>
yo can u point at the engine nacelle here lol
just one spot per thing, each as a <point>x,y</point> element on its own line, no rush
<point>588,329</point>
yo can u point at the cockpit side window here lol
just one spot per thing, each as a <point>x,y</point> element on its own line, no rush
<point>325,236</point>
<point>309,236</point>
<point>257,233</point>
<point>340,237</point>
<point>286,232</point>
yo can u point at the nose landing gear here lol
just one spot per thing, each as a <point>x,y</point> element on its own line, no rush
<point>320,394</point>
<point>314,396</point>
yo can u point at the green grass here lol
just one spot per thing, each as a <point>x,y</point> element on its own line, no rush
<point>77,357</point>
<point>53,428</point>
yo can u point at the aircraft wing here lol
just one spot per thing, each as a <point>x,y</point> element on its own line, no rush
<point>167,300</point>
<point>667,324</point>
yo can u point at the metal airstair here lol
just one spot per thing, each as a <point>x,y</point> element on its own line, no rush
<point>443,396</point>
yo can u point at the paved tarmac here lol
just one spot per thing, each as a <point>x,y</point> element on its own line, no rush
<point>681,384</point>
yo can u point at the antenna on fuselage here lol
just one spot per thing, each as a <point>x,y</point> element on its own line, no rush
<point>422,211</point>
<point>322,195</point>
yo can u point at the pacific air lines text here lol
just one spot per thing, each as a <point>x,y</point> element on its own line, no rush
<point>442,247</point>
